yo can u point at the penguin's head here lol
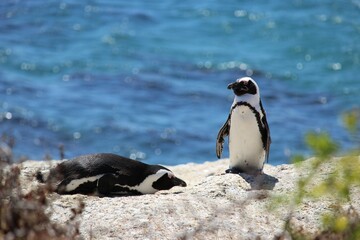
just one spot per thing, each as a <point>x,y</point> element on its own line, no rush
<point>166,179</point>
<point>245,85</point>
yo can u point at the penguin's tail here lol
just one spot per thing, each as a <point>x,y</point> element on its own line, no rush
<point>39,176</point>
<point>42,176</point>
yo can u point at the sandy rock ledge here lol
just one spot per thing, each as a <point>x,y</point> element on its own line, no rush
<point>213,206</point>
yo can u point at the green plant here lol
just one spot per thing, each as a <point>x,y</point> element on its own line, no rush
<point>340,222</point>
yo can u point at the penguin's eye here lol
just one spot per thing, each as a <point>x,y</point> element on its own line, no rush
<point>171,175</point>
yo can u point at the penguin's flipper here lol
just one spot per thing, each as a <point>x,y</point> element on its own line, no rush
<point>106,183</point>
<point>267,132</point>
<point>223,132</point>
<point>268,138</point>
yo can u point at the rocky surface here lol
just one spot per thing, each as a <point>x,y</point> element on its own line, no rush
<point>214,205</point>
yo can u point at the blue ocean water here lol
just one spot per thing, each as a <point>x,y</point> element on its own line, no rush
<point>147,79</point>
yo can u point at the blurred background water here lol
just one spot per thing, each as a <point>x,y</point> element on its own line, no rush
<point>147,79</point>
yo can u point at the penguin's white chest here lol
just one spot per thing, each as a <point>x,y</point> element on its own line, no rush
<point>245,144</point>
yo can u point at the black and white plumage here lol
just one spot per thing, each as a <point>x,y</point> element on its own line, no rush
<point>247,128</point>
<point>109,174</point>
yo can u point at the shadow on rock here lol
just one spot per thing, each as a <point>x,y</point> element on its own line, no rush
<point>260,182</point>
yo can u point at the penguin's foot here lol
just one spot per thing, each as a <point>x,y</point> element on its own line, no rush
<point>233,170</point>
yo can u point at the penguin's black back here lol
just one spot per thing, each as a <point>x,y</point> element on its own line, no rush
<point>130,172</point>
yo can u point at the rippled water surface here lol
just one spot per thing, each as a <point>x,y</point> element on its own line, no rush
<point>148,79</point>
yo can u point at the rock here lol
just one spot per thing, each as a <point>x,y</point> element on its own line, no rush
<point>213,206</point>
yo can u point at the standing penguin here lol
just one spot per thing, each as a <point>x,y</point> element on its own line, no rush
<point>247,128</point>
<point>109,174</point>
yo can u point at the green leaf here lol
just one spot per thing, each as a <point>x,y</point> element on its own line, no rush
<point>351,120</point>
<point>321,144</point>
<point>297,159</point>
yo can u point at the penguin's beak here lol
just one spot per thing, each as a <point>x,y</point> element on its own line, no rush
<point>178,182</point>
<point>231,85</point>
<point>239,88</point>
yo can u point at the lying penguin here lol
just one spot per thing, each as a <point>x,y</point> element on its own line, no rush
<point>109,174</point>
